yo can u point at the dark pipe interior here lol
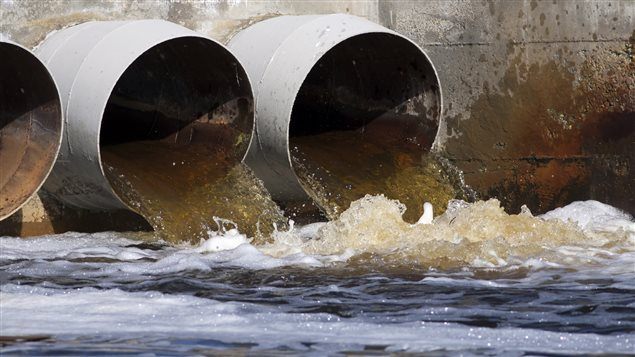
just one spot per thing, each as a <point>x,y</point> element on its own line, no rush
<point>30,125</point>
<point>183,91</point>
<point>366,80</point>
<point>368,110</point>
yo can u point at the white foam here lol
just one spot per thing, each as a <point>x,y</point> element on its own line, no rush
<point>428,214</point>
<point>69,245</point>
<point>593,216</point>
<point>218,242</point>
<point>310,231</point>
<point>476,234</point>
<point>38,310</point>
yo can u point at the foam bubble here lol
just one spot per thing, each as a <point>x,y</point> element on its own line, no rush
<point>69,245</point>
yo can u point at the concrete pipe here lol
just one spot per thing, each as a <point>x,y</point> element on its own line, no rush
<point>343,92</point>
<point>136,83</point>
<point>30,125</point>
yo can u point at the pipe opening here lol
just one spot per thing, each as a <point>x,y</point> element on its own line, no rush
<point>183,92</point>
<point>30,126</point>
<point>175,129</point>
<point>364,121</point>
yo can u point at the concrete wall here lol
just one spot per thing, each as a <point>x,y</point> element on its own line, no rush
<point>28,21</point>
<point>539,96</point>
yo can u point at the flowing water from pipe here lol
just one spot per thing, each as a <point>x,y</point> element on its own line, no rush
<point>338,167</point>
<point>186,191</point>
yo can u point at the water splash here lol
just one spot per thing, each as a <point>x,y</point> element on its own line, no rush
<point>373,232</point>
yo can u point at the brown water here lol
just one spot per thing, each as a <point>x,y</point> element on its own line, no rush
<point>186,190</point>
<point>339,167</point>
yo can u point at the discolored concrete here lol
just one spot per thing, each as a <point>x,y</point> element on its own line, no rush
<point>539,96</point>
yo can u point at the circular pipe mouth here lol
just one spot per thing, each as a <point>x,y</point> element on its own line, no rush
<point>367,112</point>
<point>179,115</point>
<point>30,126</point>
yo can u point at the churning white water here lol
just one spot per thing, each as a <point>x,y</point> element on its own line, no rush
<point>475,280</point>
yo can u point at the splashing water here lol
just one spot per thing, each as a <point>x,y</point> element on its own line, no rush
<point>480,234</point>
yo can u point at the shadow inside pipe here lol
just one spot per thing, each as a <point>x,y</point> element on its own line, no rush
<point>30,126</point>
<point>364,121</point>
<point>173,135</point>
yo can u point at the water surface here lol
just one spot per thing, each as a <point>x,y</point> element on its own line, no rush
<point>476,281</point>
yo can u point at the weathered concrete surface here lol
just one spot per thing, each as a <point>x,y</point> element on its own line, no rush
<point>539,96</point>
<point>29,21</point>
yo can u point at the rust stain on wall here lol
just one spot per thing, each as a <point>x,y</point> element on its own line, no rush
<point>551,133</point>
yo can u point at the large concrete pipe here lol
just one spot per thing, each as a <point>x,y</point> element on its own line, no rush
<point>126,82</point>
<point>30,125</point>
<point>356,98</point>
